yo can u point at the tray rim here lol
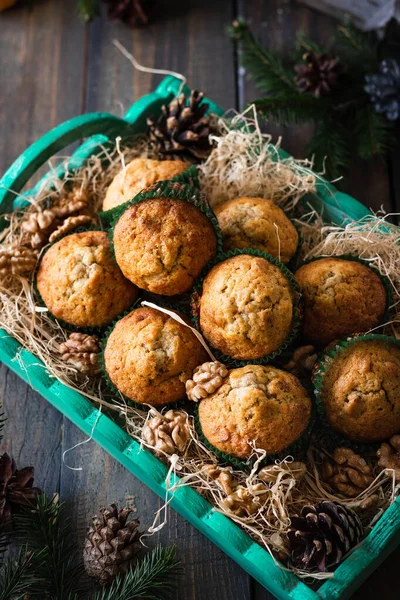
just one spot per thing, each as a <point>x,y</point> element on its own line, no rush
<point>221,530</point>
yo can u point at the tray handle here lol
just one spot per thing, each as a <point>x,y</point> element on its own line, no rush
<point>52,142</point>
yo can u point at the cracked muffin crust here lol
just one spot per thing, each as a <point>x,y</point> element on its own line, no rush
<point>162,244</point>
<point>80,282</point>
<point>256,404</point>
<point>360,391</point>
<point>341,297</point>
<point>246,307</point>
<point>149,356</point>
<point>140,173</point>
<point>259,224</point>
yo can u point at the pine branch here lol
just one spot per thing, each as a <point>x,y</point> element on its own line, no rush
<point>293,108</point>
<point>2,420</point>
<point>45,528</point>
<point>356,49</point>
<point>5,539</point>
<point>17,578</point>
<point>153,578</point>
<point>88,10</point>
<point>329,147</point>
<point>265,67</point>
<point>306,44</point>
<point>373,133</point>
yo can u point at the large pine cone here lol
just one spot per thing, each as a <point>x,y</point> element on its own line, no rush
<point>16,488</point>
<point>111,545</point>
<point>319,75</point>
<point>321,536</point>
<point>183,127</point>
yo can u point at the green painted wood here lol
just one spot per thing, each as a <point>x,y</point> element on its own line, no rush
<point>223,532</point>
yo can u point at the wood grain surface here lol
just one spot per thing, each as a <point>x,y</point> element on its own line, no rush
<point>52,67</point>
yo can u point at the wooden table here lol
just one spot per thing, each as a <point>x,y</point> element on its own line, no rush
<point>52,68</point>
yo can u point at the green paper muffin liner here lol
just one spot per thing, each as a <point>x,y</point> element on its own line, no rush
<point>385,281</point>
<point>297,449</point>
<point>40,302</point>
<point>321,367</point>
<point>297,309</point>
<point>110,385</point>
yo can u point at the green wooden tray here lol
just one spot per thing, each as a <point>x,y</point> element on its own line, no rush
<point>337,207</point>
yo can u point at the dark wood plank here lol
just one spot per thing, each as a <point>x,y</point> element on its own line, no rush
<point>276,24</point>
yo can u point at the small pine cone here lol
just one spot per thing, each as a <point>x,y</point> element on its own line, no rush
<point>69,224</point>
<point>167,433</point>
<point>221,475</point>
<point>207,378</point>
<point>349,473</point>
<point>302,362</point>
<point>389,457</point>
<point>294,470</point>
<point>19,261</point>
<point>16,489</point>
<point>82,351</point>
<point>244,501</point>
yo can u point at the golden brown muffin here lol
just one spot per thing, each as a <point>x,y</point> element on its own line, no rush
<point>80,282</point>
<point>246,307</point>
<point>259,224</point>
<point>137,175</point>
<point>360,391</point>
<point>256,404</point>
<point>341,297</point>
<point>162,244</point>
<point>149,356</point>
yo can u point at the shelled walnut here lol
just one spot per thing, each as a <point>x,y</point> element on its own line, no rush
<point>17,260</point>
<point>389,457</point>
<point>221,475</point>
<point>82,351</point>
<point>302,362</point>
<point>207,378</point>
<point>168,433</point>
<point>244,501</point>
<point>348,473</point>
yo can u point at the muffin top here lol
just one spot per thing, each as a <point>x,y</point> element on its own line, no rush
<point>80,282</point>
<point>360,391</point>
<point>137,175</point>
<point>162,244</point>
<point>256,404</point>
<point>149,356</point>
<point>341,297</point>
<point>257,223</point>
<point>246,307</point>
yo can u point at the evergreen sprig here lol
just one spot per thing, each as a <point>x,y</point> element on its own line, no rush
<point>346,122</point>
<point>153,578</point>
<point>17,577</point>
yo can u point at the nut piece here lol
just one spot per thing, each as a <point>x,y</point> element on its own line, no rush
<point>389,457</point>
<point>294,470</point>
<point>244,501</point>
<point>302,361</point>
<point>207,378</point>
<point>167,433</point>
<point>349,474</point>
<point>69,224</point>
<point>222,476</point>
<point>82,351</point>
<point>20,261</point>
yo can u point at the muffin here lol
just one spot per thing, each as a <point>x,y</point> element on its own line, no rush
<point>162,244</point>
<point>360,390</point>
<point>259,224</point>
<point>258,405</point>
<point>149,356</point>
<point>80,282</point>
<point>341,297</point>
<point>137,175</point>
<point>246,307</point>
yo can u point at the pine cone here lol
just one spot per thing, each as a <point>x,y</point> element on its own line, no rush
<point>182,127</point>
<point>349,474</point>
<point>320,75</point>
<point>16,488</point>
<point>112,542</point>
<point>132,12</point>
<point>82,351</point>
<point>302,362</point>
<point>384,89</point>
<point>17,260</point>
<point>389,457</point>
<point>168,433</point>
<point>42,225</point>
<point>207,378</point>
<point>322,535</point>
